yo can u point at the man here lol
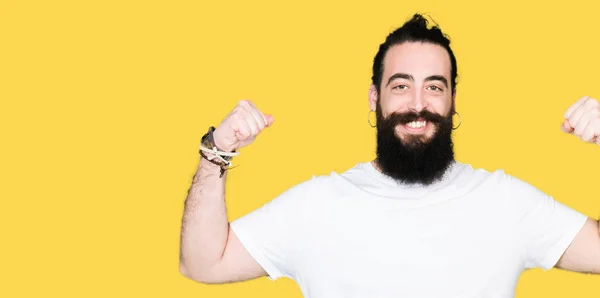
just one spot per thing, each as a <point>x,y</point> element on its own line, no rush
<point>412,223</point>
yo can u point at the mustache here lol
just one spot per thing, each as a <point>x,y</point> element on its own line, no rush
<point>403,118</point>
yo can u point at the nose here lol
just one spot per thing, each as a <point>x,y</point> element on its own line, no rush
<point>417,102</point>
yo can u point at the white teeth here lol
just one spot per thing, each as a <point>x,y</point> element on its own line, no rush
<point>417,124</point>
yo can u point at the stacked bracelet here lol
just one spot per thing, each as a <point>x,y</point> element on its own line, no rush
<point>208,146</point>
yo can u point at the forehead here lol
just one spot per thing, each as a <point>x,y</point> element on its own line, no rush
<point>417,59</point>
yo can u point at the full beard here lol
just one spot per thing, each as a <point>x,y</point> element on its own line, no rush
<point>414,160</point>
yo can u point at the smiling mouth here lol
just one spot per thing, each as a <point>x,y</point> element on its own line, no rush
<point>419,126</point>
<point>416,124</point>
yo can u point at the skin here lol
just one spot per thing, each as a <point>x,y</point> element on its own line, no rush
<point>211,253</point>
<point>416,77</point>
<point>582,119</point>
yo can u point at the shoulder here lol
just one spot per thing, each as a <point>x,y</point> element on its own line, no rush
<point>496,184</point>
<point>494,177</point>
<point>513,191</point>
<point>355,172</point>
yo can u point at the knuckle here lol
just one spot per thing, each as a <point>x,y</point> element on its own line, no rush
<point>242,112</point>
<point>236,111</point>
<point>240,119</point>
<point>236,115</point>
<point>253,109</point>
<point>244,131</point>
<point>590,102</point>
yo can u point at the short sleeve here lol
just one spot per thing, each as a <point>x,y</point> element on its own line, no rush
<point>546,226</point>
<point>270,233</point>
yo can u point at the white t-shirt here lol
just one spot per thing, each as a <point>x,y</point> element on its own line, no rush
<point>361,234</point>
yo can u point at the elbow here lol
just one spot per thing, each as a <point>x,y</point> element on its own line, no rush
<point>194,275</point>
<point>200,276</point>
<point>184,271</point>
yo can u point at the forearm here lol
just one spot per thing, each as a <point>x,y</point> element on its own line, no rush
<point>583,254</point>
<point>598,222</point>
<point>597,267</point>
<point>205,225</point>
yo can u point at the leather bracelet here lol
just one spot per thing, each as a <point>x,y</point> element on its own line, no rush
<point>208,142</point>
<point>221,165</point>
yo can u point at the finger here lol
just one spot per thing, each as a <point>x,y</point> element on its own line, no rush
<point>576,116</point>
<point>255,108</point>
<point>590,132</point>
<point>244,107</point>
<point>252,124</point>
<point>566,127</point>
<point>250,108</point>
<point>590,112</point>
<point>258,117</point>
<point>595,125</point>
<point>270,119</point>
<point>573,107</point>
<point>242,129</point>
<point>583,123</point>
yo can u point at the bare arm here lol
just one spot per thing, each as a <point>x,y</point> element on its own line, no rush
<point>583,255</point>
<point>210,251</point>
<point>582,119</point>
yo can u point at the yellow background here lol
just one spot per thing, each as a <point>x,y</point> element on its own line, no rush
<point>103,104</point>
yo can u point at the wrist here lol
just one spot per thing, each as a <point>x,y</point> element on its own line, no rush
<point>209,162</point>
<point>213,154</point>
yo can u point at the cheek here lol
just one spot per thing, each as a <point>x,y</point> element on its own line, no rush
<point>394,105</point>
<point>441,106</point>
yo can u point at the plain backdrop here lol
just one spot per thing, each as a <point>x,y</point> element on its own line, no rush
<point>103,103</point>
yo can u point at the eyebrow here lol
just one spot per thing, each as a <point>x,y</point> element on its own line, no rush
<point>399,75</point>
<point>411,78</point>
<point>437,78</point>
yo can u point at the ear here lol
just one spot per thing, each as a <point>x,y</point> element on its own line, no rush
<point>373,97</point>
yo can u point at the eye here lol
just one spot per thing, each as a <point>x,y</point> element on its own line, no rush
<point>400,87</point>
<point>434,88</point>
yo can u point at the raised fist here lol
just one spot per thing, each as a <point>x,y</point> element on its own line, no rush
<point>241,126</point>
<point>583,120</point>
